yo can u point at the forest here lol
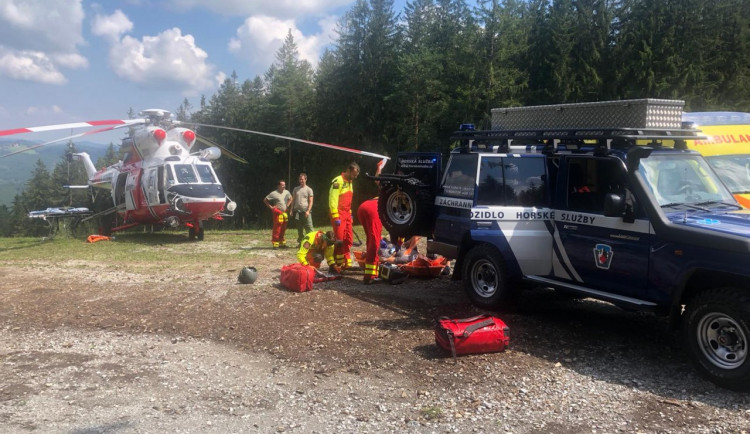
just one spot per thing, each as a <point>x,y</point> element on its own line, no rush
<point>404,81</point>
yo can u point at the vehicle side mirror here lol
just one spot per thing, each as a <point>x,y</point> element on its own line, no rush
<point>614,205</point>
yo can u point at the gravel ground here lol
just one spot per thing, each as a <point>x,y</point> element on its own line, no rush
<point>193,351</point>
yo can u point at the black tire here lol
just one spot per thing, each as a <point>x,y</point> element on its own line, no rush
<point>191,233</point>
<point>405,211</point>
<point>485,278</point>
<point>716,329</point>
<point>200,234</point>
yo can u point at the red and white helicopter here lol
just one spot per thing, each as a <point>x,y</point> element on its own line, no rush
<point>162,177</point>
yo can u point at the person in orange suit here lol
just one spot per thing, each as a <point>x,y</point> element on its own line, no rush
<point>340,210</point>
<point>278,201</point>
<point>368,217</point>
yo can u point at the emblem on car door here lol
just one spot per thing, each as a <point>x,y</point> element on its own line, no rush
<point>603,256</point>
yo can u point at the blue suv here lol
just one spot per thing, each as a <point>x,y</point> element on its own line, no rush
<point>609,213</point>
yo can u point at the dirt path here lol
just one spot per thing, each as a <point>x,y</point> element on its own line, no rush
<point>132,350</point>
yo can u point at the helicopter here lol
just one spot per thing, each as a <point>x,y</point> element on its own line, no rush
<point>162,179</point>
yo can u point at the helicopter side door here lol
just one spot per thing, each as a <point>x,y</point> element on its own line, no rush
<point>152,188</point>
<point>131,186</point>
<point>119,190</point>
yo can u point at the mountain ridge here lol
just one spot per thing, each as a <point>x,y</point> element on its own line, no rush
<point>16,170</point>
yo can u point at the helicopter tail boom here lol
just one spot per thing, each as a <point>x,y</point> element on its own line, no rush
<point>87,163</point>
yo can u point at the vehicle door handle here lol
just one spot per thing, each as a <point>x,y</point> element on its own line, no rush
<point>570,227</point>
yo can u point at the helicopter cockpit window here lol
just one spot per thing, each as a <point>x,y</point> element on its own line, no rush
<point>205,173</point>
<point>185,173</point>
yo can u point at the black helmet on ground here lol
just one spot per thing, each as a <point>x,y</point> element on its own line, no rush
<point>248,275</point>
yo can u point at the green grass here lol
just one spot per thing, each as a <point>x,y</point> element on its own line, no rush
<point>148,248</point>
<point>431,413</point>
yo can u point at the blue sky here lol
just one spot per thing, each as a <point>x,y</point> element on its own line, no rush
<point>66,61</point>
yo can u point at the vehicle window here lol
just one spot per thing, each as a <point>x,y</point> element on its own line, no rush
<point>491,185</point>
<point>590,179</point>
<point>205,173</point>
<point>460,176</point>
<point>682,179</point>
<point>734,171</point>
<point>525,181</point>
<point>185,173</point>
<point>511,181</point>
<point>170,175</point>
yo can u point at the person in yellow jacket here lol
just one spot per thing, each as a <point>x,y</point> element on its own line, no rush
<point>316,246</point>
<point>340,209</point>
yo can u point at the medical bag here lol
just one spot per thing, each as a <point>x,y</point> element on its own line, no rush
<point>297,277</point>
<point>479,334</point>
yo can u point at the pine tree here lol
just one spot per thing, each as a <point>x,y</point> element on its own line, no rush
<point>39,194</point>
<point>366,54</point>
<point>69,172</point>
<point>591,42</point>
<point>420,67</point>
<point>183,111</point>
<point>6,221</point>
<point>503,43</point>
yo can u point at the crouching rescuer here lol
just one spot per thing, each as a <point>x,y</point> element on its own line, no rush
<point>315,247</point>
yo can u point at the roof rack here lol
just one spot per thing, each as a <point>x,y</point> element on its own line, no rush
<point>592,138</point>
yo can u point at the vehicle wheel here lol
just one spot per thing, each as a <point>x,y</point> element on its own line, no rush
<point>200,234</point>
<point>405,211</point>
<point>716,330</point>
<point>486,279</point>
<point>191,234</point>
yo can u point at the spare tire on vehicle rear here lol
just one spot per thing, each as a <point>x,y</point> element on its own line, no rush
<point>406,210</point>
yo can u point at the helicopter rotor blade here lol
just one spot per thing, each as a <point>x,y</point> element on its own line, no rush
<point>120,122</point>
<point>325,145</point>
<point>86,133</point>
<point>224,151</point>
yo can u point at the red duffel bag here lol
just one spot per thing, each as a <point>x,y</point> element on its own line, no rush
<point>297,277</point>
<point>479,334</point>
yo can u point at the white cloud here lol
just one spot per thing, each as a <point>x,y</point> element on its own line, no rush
<point>41,25</point>
<point>220,78</point>
<point>169,59</point>
<point>259,38</point>
<point>70,60</point>
<point>37,37</point>
<point>111,26</point>
<point>37,111</point>
<point>278,8</point>
<point>29,65</point>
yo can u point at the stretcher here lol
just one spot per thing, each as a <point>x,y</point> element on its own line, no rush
<point>420,267</point>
